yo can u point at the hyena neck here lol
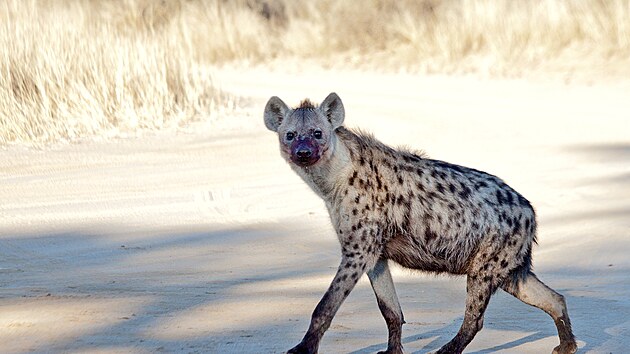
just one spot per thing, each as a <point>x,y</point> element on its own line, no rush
<point>326,177</point>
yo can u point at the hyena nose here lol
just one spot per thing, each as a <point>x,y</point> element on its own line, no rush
<point>304,153</point>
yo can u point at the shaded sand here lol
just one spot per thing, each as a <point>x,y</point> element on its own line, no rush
<point>203,240</point>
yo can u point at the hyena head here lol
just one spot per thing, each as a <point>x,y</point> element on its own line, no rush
<point>306,133</point>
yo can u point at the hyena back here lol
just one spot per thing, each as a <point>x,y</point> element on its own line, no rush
<point>424,214</point>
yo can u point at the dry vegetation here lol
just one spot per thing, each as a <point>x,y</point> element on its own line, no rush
<point>74,68</point>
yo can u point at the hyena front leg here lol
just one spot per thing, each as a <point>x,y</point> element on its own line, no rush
<point>353,265</point>
<point>383,285</point>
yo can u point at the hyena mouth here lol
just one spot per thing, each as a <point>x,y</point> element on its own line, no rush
<point>304,161</point>
<point>305,153</point>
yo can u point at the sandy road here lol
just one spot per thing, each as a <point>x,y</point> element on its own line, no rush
<point>203,240</point>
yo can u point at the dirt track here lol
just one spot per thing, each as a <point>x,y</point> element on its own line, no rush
<point>204,240</point>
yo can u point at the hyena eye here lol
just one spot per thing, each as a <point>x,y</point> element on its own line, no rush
<point>290,136</point>
<point>317,134</point>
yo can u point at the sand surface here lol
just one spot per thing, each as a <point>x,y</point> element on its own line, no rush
<point>203,240</point>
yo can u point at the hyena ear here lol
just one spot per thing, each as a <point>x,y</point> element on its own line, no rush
<point>275,111</point>
<point>332,107</point>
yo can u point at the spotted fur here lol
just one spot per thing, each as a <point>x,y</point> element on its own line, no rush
<point>424,214</point>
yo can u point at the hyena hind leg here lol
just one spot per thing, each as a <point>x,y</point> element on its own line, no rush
<point>534,292</point>
<point>478,292</point>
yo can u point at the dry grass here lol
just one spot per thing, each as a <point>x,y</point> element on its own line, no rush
<point>75,68</point>
<point>446,36</point>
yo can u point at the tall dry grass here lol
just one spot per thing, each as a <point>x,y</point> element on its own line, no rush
<point>412,33</point>
<point>73,68</point>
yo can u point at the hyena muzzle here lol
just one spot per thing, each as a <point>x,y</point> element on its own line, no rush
<point>394,204</point>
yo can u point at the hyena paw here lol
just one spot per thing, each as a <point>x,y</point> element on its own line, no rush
<point>397,350</point>
<point>449,348</point>
<point>302,349</point>
<point>565,348</point>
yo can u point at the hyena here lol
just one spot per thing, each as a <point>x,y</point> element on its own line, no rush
<point>395,204</point>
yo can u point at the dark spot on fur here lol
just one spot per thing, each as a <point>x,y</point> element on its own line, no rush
<point>481,184</point>
<point>429,235</point>
<point>500,199</point>
<point>351,179</point>
<point>465,192</point>
<point>510,198</point>
<point>487,278</point>
<point>345,293</point>
<point>411,158</point>
<point>354,212</point>
<point>504,263</point>
<point>517,227</point>
<point>440,188</point>
<point>407,168</point>
<point>400,180</point>
<point>362,161</point>
<point>451,187</point>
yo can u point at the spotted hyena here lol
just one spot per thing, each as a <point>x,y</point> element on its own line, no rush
<point>395,204</point>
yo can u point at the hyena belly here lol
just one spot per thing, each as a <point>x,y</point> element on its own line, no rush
<point>450,212</point>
